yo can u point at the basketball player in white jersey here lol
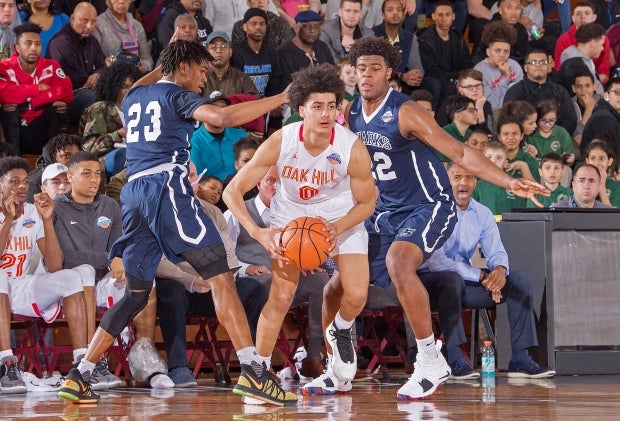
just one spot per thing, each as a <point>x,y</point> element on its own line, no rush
<point>22,226</point>
<point>323,170</point>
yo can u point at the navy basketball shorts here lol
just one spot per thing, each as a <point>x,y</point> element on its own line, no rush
<point>161,215</point>
<point>427,226</point>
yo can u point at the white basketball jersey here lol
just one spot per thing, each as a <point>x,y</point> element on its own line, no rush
<point>25,231</point>
<point>307,179</point>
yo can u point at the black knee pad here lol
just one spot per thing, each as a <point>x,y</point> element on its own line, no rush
<point>135,299</point>
<point>208,261</point>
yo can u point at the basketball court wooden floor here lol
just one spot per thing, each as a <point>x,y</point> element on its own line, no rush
<point>562,398</point>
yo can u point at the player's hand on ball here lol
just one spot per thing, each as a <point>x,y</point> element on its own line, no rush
<point>267,237</point>
<point>330,229</point>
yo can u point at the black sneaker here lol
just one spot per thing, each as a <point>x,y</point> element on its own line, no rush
<point>263,388</point>
<point>11,380</point>
<point>77,390</point>
<point>462,370</point>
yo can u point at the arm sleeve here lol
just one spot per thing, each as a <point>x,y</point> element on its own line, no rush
<point>491,243</point>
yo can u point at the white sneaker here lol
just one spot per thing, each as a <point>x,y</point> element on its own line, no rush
<point>344,364</point>
<point>326,384</point>
<point>426,377</point>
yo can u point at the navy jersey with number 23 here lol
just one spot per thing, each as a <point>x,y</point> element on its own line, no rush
<point>159,125</point>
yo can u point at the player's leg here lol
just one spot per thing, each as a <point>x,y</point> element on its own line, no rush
<point>350,287</point>
<point>431,369</point>
<point>256,380</point>
<point>10,373</point>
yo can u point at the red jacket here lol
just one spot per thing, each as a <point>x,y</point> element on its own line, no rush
<point>567,39</point>
<point>17,86</point>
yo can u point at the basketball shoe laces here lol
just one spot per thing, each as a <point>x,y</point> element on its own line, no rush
<point>12,371</point>
<point>272,388</point>
<point>343,342</point>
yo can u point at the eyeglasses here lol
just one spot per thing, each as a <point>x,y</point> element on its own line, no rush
<point>547,120</point>
<point>218,47</point>
<point>471,110</point>
<point>538,62</point>
<point>615,91</point>
<point>472,87</point>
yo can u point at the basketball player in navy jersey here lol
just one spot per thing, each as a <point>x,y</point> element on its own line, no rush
<point>323,170</point>
<point>415,211</point>
<point>159,211</point>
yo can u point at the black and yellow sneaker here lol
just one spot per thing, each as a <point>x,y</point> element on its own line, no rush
<point>264,387</point>
<point>75,389</point>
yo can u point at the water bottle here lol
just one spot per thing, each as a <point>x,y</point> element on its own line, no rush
<point>488,372</point>
<point>535,31</point>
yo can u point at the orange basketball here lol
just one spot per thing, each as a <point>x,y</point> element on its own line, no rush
<point>305,242</point>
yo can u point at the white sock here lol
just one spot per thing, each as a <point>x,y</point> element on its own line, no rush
<point>266,360</point>
<point>342,323</point>
<point>161,381</point>
<point>78,354</point>
<point>86,366</point>
<point>6,353</point>
<point>248,354</point>
<point>426,347</point>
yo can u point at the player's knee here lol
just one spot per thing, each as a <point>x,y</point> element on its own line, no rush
<point>87,273</point>
<point>69,281</point>
<point>208,261</point>
<point>282,298</point>
<point>357,297</point>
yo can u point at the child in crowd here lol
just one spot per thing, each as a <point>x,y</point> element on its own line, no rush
<point>210,189</point>
<point>510,134</point>
<point>600,154</point>
<point>507,156</point>
<point>524,112</point>
<point>551,169</point>
<point>348,75</point>
<point>497,199</point>
<point>478,139</point>
<point>425,99</point>
<point>550,137</point>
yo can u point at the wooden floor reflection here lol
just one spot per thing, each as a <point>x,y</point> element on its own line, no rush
<point>563,398</point>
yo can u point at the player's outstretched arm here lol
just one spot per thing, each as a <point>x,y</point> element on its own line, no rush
<point>248,177</point>
<point>238,114</point>
<point>362,188</point>
<point>414,121</point>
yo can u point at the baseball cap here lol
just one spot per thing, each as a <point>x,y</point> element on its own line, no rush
<point>217,96</point>
<point>254,11</point>
<point>52,171</point>
<point>308,16</point>
<point>218,34</point>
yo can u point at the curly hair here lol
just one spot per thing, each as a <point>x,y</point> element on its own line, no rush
<point>181,51</point>
<point>373,46</point>
<point>311,80</point>
<point>498,31</point>
<point>58,142</point>
<point>11,162</point>
<point>112,78</point>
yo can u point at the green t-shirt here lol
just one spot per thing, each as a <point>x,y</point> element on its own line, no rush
<point>498,199</point>
<point>558,194</point>
<point>559,142</point>
<point>532,164</point>
<point>613,191</point>
<point>453,131</point>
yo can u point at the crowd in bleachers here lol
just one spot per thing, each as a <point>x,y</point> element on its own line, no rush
<point>539,97</point>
